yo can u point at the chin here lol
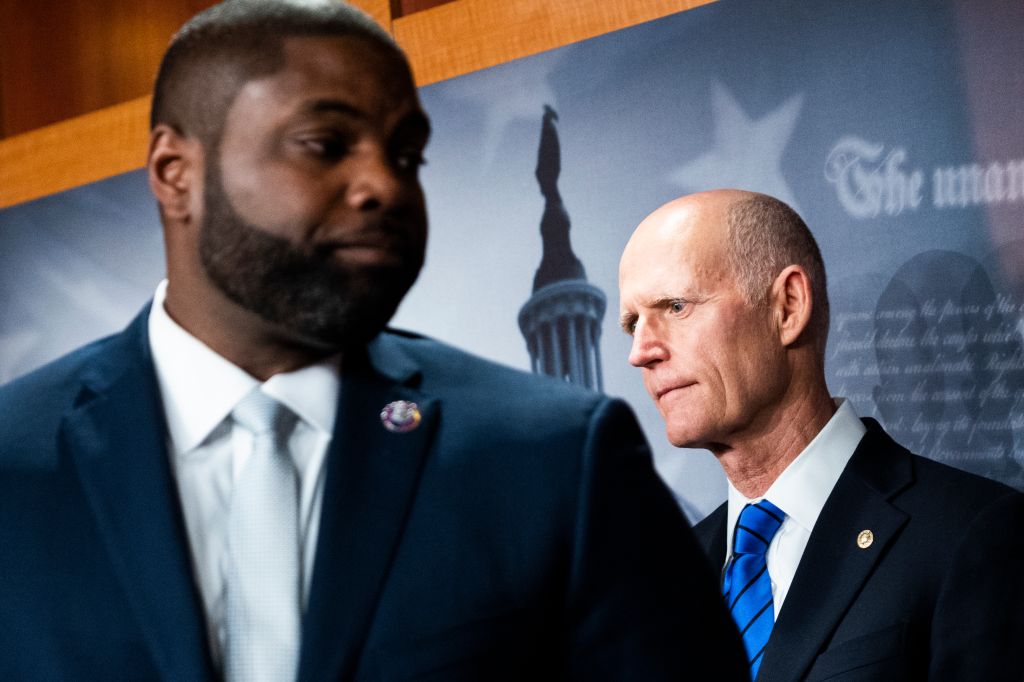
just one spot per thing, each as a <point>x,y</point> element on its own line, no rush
<point>681,439</point>
<point>346,331</point>
<point>680,427</point>
<point>691,433</point>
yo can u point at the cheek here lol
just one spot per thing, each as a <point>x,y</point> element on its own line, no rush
<point>418,213</point>
<point>726,370</point>
<point>293,202</point>
<point>755,372</point>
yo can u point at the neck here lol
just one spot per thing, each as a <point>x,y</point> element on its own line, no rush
<point>755,460</point>
<point>238,335</point>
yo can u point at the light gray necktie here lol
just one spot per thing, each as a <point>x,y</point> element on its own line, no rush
<point>263,584</point>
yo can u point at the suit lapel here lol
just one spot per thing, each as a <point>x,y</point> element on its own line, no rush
<point>115,438</point>
<point>371,480</point>
<point>711,534</point>
<point>834,568</point>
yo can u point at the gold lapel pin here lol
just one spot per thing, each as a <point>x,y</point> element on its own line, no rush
<point>865,538</point>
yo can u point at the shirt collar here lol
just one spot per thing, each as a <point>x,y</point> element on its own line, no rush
<point>310,392</point>
<point>199,387</point>
<point>803,487</point>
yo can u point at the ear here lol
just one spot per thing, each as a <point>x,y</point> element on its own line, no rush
<point>791,302</point>
<point>175,170</point>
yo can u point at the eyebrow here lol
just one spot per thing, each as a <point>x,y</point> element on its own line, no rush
<point>327,106</point>
<point>627,319</point>
<point>415,122</point>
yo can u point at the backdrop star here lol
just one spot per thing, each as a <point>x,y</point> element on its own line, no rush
<point>745,153</point>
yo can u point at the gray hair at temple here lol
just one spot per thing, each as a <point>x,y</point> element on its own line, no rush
<point>222,48</point>
<point>765,237</point>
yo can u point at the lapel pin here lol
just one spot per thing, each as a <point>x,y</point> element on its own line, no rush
<point>400,416</point>
<point>865,538</point>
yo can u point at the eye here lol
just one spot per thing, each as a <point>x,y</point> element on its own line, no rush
<point>409,160</point>
<point>677,307</point>
<point>325,147</point>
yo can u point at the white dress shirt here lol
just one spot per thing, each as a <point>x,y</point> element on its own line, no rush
<point>800,491</point>
<point>199,389</point>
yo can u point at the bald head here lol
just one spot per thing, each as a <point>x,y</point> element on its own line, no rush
<point>746,236</point>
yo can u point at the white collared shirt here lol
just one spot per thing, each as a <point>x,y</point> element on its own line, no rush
<point>801,491</point>
<point>199,389</point>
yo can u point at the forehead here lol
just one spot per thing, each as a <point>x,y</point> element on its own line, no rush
<point>675,252</point>
<point>350,60</point>
<point>352,69</point>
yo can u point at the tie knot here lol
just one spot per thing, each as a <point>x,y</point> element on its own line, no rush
<point>756,527</point>
<point>260,414</point>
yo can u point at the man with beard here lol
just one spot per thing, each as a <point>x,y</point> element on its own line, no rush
<point>254,481</point>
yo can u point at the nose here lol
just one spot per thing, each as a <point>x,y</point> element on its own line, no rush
<point>648,348</point>
<point>375,183</point>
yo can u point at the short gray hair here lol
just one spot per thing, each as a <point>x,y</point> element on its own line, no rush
<point>765,237</point>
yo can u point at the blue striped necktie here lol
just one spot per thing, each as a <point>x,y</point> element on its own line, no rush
<point>747,586</point>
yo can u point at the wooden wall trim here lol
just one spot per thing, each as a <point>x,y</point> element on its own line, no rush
<point>378,9</point>
<point>469,35</point>
<point>443,42</point>
<point>74,152</point>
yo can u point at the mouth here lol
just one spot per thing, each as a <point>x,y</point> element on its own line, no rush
<point>370,250</point>
<point>386,240</point>
<point>662,392</point>
<point>369,254</point>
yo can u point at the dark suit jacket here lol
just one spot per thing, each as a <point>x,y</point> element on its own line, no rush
<point>519,533</point>
<point>938,595</point>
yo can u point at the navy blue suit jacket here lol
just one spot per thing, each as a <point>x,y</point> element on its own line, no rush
<point>938,594</point>
<point>519,533</point>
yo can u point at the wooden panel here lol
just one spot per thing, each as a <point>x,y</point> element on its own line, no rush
<point>403,8</point>
<point>443,42</point>
<point>63,58</point>
<point>72,153</point>
<point>378,9</point>
<point>468,35</point>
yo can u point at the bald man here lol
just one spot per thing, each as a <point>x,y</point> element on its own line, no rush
<point>843,555</point>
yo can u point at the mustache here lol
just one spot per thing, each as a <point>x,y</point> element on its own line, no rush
<point>388,234</point>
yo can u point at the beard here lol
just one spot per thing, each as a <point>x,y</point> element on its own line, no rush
<point>306,292</point>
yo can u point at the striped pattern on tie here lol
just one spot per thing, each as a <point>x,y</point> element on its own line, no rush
<point>747,586</point>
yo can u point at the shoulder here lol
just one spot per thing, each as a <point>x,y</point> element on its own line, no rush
<point>456,373</point>
<point>33,405</point>
<point>94,364</point>
<point>40,387</point>
<point>486,402</point>
<point>959,504</point>
<point>957,487</point>
<point>935,493</point>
